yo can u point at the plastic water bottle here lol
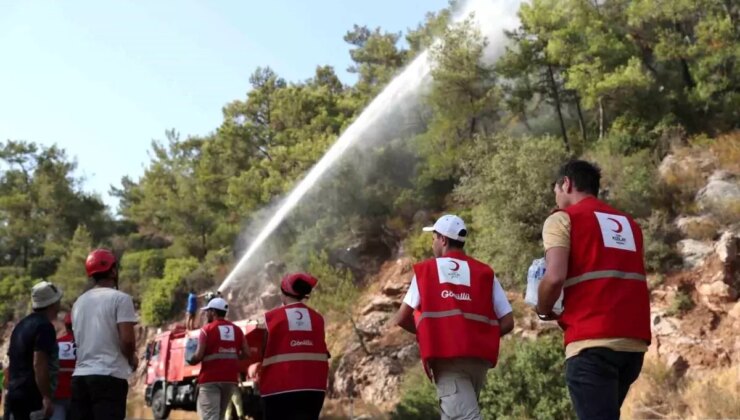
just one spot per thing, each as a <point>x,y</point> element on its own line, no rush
<point>534,276</point>
<point>191,345</point>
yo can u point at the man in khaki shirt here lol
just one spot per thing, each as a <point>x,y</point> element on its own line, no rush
<point>599,371</point>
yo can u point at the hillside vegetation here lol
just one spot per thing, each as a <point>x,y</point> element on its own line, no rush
<point>620,82</point>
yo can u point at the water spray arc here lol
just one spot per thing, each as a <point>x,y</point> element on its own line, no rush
<point>496,15</point>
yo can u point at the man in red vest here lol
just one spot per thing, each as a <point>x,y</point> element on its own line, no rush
<point>295,365</point>
<point>594,253</point>
<point>459,311</point>
<point>221,345</point>
<point>67,361</point>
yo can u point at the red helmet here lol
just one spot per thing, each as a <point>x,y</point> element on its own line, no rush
<point>287,284</point>
<point>99,261</point>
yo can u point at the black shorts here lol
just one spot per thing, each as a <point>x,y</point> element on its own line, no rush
<point>98,397</point>
<point>21,406</point>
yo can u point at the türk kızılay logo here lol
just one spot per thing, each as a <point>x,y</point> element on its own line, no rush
<point>453,271</point>
<point>446,294</point>
<point>298,319</point>
<point>226,332</point>
<point>616,231</point>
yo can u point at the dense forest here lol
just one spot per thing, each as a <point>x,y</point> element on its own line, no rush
<point>620,82</point>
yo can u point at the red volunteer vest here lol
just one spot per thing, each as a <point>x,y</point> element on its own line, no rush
<point>605,293</point>
<point>296,357</point>
<point>455,317</point>
<point>67,362</point>
<point>221,359</point>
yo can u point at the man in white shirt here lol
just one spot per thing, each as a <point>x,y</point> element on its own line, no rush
<point>458,311</point>
<point>103,321</point>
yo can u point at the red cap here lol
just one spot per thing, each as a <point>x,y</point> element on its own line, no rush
<point>287,284</point>
<point>68,318</point>
<point>99,261</point>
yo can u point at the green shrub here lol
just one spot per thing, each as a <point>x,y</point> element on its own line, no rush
<point>70,274</point>
<point>336,292</point>
<point>42,267</point>
<point>418,398</point>
<point>418,245</point>
<point>509,187</point>
<point>628,182</point>
<point>158,303</point>
<point>659,238</point>
<point>681,303</point>
<point>140,268</point>
<point>15,293</point>
<point>528,382</point>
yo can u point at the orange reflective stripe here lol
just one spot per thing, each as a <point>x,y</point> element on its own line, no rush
<point>614,274</point>
<point>292,357</point>
<point>456,312</point>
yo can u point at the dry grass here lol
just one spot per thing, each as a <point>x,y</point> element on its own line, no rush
<point>727,212</point>
<point>716,396</point>
<point>657,394</point>
<point>727,150</point>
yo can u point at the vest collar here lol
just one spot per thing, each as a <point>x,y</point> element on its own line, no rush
<point>454,254</point>
<point>589,199</point>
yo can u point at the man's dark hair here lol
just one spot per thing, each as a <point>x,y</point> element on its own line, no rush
<point>452,243</point>
<point>585,176</point>
<point>105,275</point>
<point>219,313</point>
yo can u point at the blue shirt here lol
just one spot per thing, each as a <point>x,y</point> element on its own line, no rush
<point>192,303</point>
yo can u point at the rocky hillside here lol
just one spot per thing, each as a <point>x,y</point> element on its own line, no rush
<point>695,308</point>
<point>695,312</point>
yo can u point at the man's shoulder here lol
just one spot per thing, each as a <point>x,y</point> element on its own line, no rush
<point>30,322</point>
<point>558,216</point>
<point>428,261</point>
<point>106,293</point>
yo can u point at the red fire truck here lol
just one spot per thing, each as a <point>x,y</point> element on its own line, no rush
<point>171,381</point>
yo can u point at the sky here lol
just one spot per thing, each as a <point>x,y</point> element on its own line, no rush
<point>102,79</point>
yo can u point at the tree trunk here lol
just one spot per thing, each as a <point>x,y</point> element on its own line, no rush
<point>556,99</point>
<point>686,73</point>
<point>601,119</point>
<point>203,244</point>
<point>581,121</point>
<point>525,120</point>
<point>25,256</point>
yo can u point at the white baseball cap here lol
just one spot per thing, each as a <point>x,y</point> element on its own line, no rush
<point>217,303</point>
<point>450,226</point>
<point>45,294</point>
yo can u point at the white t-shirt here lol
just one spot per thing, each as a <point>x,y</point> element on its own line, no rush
<point>501,303</point>
<point>95,319</point>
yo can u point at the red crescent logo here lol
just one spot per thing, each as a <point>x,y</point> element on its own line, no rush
<point>619,225</point>
<point>300,314</point>
<point>456,265</point>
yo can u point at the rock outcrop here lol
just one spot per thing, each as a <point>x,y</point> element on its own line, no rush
<point>376,356</point>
